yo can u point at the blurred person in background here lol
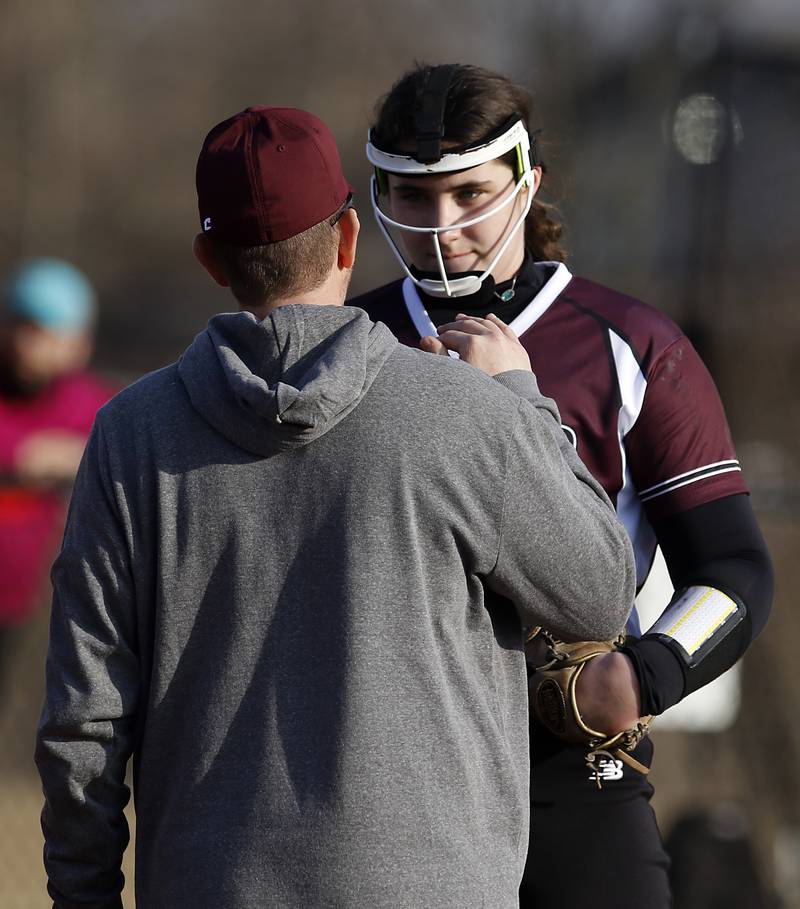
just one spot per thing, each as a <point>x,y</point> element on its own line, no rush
<point>457,169</point>
<point>48,400</point>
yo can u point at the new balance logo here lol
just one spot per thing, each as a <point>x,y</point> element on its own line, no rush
<point>606,769</point>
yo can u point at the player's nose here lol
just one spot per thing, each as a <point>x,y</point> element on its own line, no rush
<point>446,215</point>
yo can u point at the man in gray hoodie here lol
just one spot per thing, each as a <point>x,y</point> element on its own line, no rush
<point>294,581</point>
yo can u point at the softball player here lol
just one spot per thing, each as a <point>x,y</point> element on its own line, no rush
<point>455,191</point>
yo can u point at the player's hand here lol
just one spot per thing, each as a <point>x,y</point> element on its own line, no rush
<point>489,344</point>
<point>608,693</point>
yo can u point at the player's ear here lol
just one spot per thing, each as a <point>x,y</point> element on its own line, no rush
<point>348,227</point>
<point>204,253</point>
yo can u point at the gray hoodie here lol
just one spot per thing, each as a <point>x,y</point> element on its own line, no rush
<point>292,586</point>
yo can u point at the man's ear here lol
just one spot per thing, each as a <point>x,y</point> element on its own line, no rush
<point>204,253</point>
<point>349,227</point>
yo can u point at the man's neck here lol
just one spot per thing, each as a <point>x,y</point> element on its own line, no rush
<point>329,293</point>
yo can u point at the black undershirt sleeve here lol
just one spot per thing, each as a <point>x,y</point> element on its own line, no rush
<point>718,544</point>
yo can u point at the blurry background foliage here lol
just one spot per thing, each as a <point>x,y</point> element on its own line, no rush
<point>671,132</point>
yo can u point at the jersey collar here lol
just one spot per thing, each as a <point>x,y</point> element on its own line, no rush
<point>538,306</point>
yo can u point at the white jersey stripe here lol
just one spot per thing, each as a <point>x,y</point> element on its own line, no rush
<point>419,315</point>
<point>544,299</point>
<point>731,464</point>
<point>632,386</point>
<point>704,476</point>
<point>631,381</point>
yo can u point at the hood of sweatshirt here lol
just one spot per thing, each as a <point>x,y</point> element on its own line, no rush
<point>280,383</point>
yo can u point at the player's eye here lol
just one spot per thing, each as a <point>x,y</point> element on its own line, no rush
<point>411,196</point>
<point>469,194</point>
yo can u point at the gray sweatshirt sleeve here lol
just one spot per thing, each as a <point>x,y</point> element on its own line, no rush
<point>566,562</point>
<point>85,733</point>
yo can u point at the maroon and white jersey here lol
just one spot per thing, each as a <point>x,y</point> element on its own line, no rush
<point>634,396</point>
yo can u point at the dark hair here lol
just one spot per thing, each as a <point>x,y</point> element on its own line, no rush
<point>263,274</point>
<point>479,102</point>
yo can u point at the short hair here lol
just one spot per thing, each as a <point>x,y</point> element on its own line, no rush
<point>263,274</point>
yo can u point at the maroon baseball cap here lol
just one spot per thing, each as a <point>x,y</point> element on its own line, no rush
<point>267,174</point>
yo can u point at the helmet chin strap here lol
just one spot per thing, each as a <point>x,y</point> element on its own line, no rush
<point>465,285</point>
<point>472,287</point>
<point>455,287</point>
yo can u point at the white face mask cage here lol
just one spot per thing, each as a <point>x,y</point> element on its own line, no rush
<point>515,137</point>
